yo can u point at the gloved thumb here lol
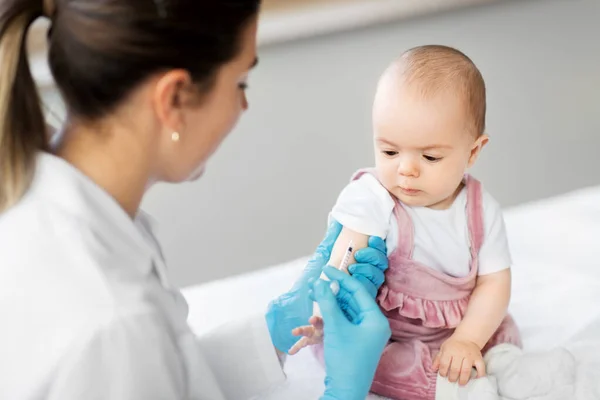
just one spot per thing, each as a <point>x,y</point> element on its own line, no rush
<point>321,256</point>
<point>325,247</point>
<point>330,309</point>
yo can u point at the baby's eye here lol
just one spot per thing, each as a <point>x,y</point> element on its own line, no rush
<point>431,158</point>
<point>390,153</point>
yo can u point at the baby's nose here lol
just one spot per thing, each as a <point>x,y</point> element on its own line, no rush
<point>408,167</point>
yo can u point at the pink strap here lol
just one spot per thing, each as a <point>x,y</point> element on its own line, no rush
<point>363,171</point>
<point>406,229</point>
<point>475,215</point>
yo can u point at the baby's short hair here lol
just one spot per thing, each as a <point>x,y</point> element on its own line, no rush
<point>435,68</point>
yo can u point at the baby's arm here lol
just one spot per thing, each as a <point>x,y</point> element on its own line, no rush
<point>489,301</point>
<point>487,308</point>
<point>364,209</point>
<point>359,241</point>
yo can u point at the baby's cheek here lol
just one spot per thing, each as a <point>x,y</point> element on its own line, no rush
<point>448,178</point>
<point>387,177</point>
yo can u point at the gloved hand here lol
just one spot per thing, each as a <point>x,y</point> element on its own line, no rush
<point>293,309</point>
<point>371,263</point>
<point>352,349</point>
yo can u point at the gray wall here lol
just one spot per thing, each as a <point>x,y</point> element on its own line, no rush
<point>266,194</point>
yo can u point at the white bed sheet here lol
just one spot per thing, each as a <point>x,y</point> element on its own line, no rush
<point>556,282</point>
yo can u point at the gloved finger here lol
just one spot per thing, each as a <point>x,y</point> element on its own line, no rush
<point>378,243</point>
<point>373,256</point>
<point>326,245</point>
<point>480,367</point>
<point>348,305</point>
<point>364,301</point>
<point>321,256</point>
<point>284,314</point>
<point>370,286</point>
<point>373,274</point>
<point>347,298</point>
<point>330,310</point>
<point>352,315</point>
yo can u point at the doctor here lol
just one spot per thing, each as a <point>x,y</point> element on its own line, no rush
<point>152,88</point>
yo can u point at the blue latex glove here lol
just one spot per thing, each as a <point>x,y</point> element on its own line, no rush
<point>370,267</point>
<point>293,309</point>
<point>352,349</point>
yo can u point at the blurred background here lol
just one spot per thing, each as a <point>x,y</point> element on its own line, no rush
<point>265,197</point>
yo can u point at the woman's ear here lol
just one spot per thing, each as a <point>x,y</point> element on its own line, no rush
<point>169,98</point>
<point>476,149</point>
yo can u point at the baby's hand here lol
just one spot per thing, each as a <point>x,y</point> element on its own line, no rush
<point>311,334</point>
<point>456,359</point>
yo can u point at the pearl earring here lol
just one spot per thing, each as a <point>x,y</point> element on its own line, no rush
<point>175,136</point>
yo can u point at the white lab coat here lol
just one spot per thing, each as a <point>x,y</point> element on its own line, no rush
<point>87,311</point>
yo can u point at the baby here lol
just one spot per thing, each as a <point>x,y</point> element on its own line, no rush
<point>448,285</point>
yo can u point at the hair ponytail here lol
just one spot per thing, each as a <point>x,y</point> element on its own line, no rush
<point>22,126</point>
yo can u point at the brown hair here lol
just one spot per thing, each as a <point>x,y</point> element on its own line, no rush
<point>437,68</point>
<point>99,51</point>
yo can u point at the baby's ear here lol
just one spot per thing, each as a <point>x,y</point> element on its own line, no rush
<point>477,147</point>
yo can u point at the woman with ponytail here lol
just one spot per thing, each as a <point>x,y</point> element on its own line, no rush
<point>151,88</point>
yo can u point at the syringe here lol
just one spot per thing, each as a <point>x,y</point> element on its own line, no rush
<point>335,287</point>
<point>344,264</point>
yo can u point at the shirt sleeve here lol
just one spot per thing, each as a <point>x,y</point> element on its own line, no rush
<point>364,206</point>
<point>129,358</point>
<point>494,255</point>
<point>243,358</point>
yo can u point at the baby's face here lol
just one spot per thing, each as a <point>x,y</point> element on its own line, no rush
<point>422,145</point>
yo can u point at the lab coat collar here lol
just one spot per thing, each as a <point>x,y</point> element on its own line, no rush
<point>74,193</point>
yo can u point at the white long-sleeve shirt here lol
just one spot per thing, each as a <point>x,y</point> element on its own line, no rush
<point>88,313</point>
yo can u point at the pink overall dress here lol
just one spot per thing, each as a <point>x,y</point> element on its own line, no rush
<point>424,306</point>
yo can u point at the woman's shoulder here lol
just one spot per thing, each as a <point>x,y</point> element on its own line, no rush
<point>58,261</point>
